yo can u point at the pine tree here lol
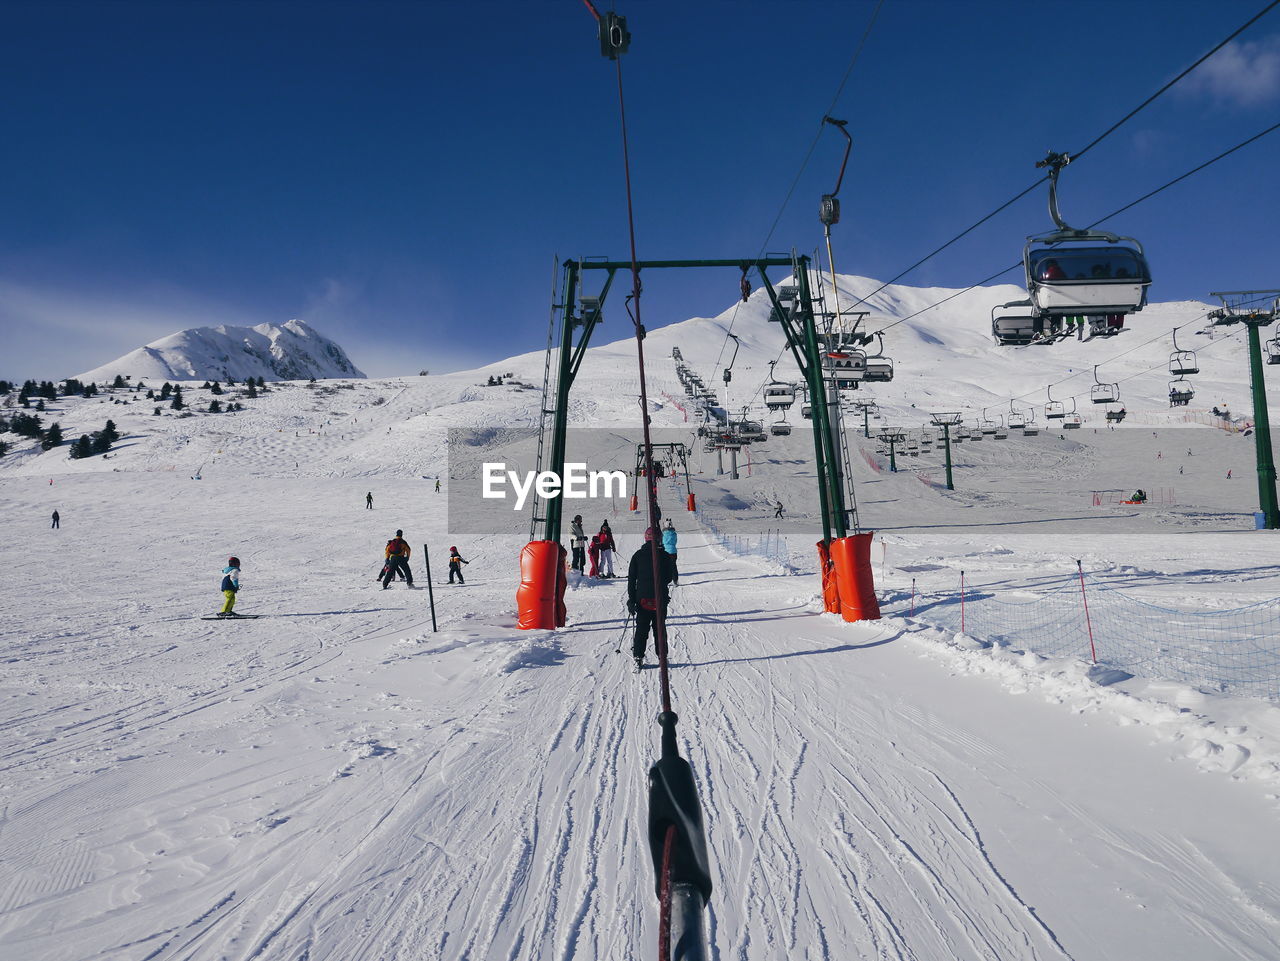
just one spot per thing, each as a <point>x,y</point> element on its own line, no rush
<point>4,448</point>
<point>118,382</point>
<point>48,391</point>
<point>165,390</point>
<point>156,412</point>
<point>40,404</point>
<point>252,392</point>
<point>216,388</point>
<point>82,448</point>
<point>215,406</point>
<point>52,437</point>
<point>205,385</point>
<point>110,432</point>
<point>177,403</point>
<point>151,395</point>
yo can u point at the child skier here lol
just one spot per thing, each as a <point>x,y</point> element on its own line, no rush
<point>230,585</point>
<point>669,545</point>
<point>455,565</point>
<point>593,552</point>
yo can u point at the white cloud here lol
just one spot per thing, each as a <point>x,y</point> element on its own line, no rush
<point>1240,74</point>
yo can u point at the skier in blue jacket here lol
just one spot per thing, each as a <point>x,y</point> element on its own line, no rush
<point>669,545</point>
<point>230,585</point>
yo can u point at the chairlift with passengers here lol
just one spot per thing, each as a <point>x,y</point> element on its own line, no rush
<point>1082,273</point>
<point>1029,427</point>
<point>1101,393</point>
<point>1182,362</point>
<point>1116,414</point>
<point>1054,409</point>
<point>1180,392</point>
<point>778,395</point>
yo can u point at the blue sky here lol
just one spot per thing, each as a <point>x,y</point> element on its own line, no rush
<point>402,174</point>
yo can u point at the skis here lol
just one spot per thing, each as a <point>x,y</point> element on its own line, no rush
<point>229,617</point>
<point>639,667</point>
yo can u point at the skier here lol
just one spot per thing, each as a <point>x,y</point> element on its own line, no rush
<point>778,512</point>
<point>368,501</point>
<point>56,520</point>
<point>1228,475</point>
<point>669,545</point>
<point>593,551</point>
<point>455,565</point>
<point>437,485</point>
<point>230,585</point>
<point>578,542</point>
<point>643,596</point>
<point>607,547</point>
<point>397,560</point>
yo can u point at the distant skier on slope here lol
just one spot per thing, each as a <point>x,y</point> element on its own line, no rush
<point>57,521</point>
<point>669,538</point>
<point>455,565</point>
<point>230,586</point>
<point>643,596</point>
<point>368,501</point>
<point>397,554</point>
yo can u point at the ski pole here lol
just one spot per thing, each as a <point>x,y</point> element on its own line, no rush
<point>623,636</point>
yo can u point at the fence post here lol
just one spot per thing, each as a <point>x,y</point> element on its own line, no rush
<point>431,594</point>
<point>1088,623</point>
<point>913,597</point>
<point>962,602</point>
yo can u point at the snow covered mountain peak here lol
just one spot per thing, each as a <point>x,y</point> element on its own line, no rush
<point>289,351</point>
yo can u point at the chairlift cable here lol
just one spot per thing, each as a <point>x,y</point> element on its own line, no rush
<point>853,61</point>
<point>1079,153</point>
<point>1100,220</point>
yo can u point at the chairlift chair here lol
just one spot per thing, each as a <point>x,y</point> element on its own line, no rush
<point>1072,273</point>
<point>1180,393</point>
<point>1115,415</point>
<point>1273,351</point>
<point>779,396</point>
<point>1015,323</point>
<point>1017,420</point>
<point>1101,393</point>
<point>1182,362</point>
<point>780,428</point>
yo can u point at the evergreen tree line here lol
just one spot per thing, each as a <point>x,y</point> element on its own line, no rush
<point>97,443</point>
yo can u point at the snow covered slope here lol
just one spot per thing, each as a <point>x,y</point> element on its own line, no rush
<point>337,780</point>
<point>289,351</point>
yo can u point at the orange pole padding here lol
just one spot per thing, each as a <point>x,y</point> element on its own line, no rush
<point>852,557</point>
<point>830,589</point>
<point>562,582</point>
<point>691,503</point>
<point>635,502</point>
<point>536,595</point>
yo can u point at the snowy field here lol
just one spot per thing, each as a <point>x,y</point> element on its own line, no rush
<point>335,780</point>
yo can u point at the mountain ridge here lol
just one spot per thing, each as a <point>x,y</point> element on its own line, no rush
<point>289,351</point>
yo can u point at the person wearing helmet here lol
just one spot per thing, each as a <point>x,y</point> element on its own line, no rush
<point>455,565</point>
<point>397,555</point>
<point>669,537</point>
<point>230,585</point>
<point>644,598</point>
